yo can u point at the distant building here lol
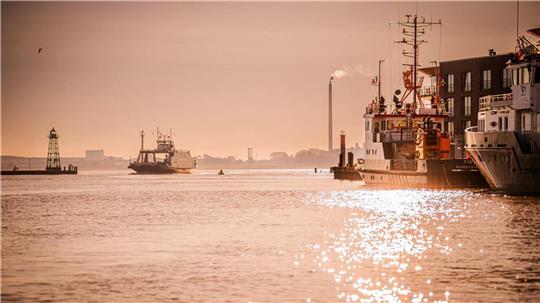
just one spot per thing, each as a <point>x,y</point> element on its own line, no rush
<point>250,154</point>
<point>94,155</point>
<point>279,155</point>
<point>465,81</point>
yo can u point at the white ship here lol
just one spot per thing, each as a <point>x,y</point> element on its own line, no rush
<point>171,161</point>
<point>506,143</point>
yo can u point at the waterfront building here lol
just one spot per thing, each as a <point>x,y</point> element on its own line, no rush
<point>465,81</point>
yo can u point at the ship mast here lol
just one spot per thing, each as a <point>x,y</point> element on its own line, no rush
<point>413,30</point>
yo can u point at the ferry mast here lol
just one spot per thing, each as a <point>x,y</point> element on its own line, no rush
<point>413,30</point>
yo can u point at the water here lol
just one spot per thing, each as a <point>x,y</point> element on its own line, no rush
<point>262,235</point>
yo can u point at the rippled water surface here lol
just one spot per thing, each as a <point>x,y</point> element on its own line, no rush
<point>262,235</point>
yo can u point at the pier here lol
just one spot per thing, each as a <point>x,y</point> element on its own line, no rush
<point>53,162</point>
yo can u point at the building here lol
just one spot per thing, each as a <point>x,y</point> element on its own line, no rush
<point>464,82</point>
<point>94,155</point>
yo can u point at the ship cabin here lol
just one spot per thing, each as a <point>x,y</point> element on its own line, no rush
<point>396,135</point>
<point>513,112</point>
<point>164,146</point>
<point>517,111</point>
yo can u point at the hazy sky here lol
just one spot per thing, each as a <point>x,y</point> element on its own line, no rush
<point>223,76</point>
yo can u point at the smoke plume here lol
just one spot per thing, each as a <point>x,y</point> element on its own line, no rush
<point>358,70</point>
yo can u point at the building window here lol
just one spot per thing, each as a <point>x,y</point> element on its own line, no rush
<point>450,82</point>
<point>467,77</point>
<point>451,128</point>
<point>507,78</point>
<point>450,106</point>
<point>467,106</point>
<point>466,124</point>
<point>486,79</point>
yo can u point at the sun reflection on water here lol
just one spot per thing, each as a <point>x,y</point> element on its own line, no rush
<point>384,240</point>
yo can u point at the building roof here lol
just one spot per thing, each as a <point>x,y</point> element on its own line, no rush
<point>504,55</point>
<point>431,71</point>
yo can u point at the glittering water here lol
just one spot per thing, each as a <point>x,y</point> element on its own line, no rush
<point>262,235</point>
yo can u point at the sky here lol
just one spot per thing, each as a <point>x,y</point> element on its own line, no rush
<point>224,76</point>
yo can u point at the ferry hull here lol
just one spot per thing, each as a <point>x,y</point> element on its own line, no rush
<point>451,173</point>
<point>158,169</point>
<point>504,165</point>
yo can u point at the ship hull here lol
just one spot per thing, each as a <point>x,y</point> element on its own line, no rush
<point>346,173</point>
<point>503,163</point>
<point>435,173</point>
<point>158,169</point>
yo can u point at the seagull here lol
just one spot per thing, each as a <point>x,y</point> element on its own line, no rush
<point>40,50</point>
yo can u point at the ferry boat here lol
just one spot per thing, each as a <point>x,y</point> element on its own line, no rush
<point>174,161</point>
<point>406,144</point>
<point>506,143</point>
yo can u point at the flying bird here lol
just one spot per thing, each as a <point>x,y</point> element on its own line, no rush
<point>40,50</point>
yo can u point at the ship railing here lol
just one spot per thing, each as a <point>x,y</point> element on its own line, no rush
<point>396,136</point>
<point>494,101</point>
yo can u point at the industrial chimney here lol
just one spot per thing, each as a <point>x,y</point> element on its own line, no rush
<point>330,143</point>
<point>342,150</point>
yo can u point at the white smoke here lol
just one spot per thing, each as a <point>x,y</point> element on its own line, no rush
<point>358,70</point>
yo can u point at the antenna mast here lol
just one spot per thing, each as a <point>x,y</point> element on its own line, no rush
<point>413,30</point>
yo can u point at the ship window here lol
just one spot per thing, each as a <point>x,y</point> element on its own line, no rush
<point>482,125</point>
<point>505,127</point>
<point>525,76</point>
<point>500,124</point>
<point>450,82</point>
<point>383,125</point>
<point>537,75</point>
<point>486,79</point>
<point>515,80</point>
<point>367,125</point>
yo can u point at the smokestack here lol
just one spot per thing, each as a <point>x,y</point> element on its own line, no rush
<point>342,150</point>
<point>350,157</point>
<point>330,143</point>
